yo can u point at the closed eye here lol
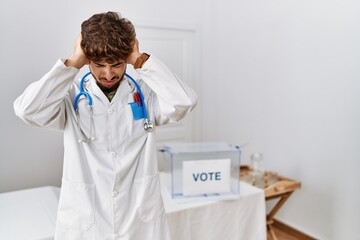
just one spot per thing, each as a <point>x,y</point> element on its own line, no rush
<point>119,64</point>
<point>99,65</point>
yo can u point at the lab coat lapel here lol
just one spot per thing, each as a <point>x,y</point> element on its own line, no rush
<point>122,93</point>
<point>96,91</point>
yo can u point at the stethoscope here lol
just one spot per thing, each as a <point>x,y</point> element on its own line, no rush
<point>138,108</point>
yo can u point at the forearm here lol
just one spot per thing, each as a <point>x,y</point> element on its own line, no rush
<point>41,104</point>
<point>175,98</point>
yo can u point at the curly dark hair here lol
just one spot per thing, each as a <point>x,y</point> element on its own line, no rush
<point>107,37</point>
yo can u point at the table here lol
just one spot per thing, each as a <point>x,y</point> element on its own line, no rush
<point>279,188</point>
<point>29,214</point>
<point>238,219</point>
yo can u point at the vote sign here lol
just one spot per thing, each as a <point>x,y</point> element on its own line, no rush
<point>206,176</point>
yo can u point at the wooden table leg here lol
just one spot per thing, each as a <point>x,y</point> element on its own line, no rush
<point>278,205</point>
<point>271,231</point>
<point>274,210</point>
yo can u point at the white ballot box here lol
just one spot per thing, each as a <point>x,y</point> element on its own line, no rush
<point>202,170</point>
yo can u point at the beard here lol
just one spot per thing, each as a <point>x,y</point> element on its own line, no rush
<point>108,89</point>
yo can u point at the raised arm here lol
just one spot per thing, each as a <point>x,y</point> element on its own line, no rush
<point>42,103</point>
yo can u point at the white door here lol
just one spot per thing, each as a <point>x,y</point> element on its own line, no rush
<point>176,47</point>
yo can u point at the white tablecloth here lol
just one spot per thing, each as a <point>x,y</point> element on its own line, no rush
<point>240,219</point>
<point>29,214</point>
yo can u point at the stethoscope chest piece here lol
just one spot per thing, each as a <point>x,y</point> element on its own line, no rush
<point>148,125</point>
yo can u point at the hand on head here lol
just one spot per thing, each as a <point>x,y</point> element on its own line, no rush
<point>134,54</point>
<point>78,58</point>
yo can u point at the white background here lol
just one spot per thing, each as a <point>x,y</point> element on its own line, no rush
<point>282,75</point>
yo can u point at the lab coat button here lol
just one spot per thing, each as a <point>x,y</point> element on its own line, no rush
<point>113,154</point>
<point>116,236</point>
<point>115,193</point>
<point>110,110</point>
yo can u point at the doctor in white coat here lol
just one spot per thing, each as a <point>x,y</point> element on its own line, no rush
<point>110,186</point>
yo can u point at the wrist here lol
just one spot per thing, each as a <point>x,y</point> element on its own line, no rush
<point>140,60</point>
<point>73,61</point>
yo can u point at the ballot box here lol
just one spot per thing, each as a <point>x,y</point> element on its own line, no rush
<point>207,170</point>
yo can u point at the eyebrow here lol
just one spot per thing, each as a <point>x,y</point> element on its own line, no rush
<point>112,65</point>
<point>118,63</point>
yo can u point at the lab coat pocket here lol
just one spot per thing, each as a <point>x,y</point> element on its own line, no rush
<point>135,124</point>
<point>76,206</point>
<point>148,197</point>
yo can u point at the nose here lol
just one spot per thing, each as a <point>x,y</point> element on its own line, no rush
<point>108,74</point>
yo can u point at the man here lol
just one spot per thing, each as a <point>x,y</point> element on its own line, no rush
<point>110,186</point>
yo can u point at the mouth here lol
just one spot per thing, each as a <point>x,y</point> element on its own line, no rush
<point>108,83</point>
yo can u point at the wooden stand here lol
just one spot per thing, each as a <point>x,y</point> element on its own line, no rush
<point>275,187</point>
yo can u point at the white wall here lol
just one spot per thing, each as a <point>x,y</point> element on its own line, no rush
<point>34,34</point>
<point>283,74</point>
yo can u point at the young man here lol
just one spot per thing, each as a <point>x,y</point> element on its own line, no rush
<point>110,186</point>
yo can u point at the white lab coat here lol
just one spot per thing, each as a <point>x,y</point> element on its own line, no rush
<point>110,187</point>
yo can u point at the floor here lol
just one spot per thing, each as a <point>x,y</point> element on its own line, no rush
<point>281,235</point>
<point>285,232</point>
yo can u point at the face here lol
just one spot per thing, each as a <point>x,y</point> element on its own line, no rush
<point>108,75</point>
